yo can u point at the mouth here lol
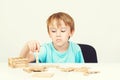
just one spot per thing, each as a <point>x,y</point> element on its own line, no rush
<point>58,40</point>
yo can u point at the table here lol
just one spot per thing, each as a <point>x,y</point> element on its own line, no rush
<point>108,71</point>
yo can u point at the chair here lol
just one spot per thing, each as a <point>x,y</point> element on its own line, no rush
<point>89,53</point>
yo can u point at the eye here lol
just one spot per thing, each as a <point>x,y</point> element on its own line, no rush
<point>53,31</point>
<point>63,30</point>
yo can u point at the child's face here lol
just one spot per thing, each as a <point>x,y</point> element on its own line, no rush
<point>59,33</point>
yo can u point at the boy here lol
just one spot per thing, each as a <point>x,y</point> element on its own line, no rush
<point>60,28</point>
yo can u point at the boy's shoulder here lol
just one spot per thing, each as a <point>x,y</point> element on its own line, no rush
<point>73,43</point>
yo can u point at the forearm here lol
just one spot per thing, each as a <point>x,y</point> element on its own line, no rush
<point>25,51</point>
<point>28,50</point>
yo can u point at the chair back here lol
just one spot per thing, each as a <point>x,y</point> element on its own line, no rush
<point>89,53</point>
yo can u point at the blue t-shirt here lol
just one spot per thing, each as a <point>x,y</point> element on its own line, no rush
<point>48,54</point>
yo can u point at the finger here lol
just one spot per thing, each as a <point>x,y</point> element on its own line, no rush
<point>31,46</point>
<point>38,46</point>
<point>34,46</point>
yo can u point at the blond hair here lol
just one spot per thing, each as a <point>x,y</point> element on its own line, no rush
<point>67,19</point>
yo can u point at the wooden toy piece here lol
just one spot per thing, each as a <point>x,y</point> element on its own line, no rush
<point>34,69</point>
<point>69,69</point>
<point>17,62</point>
<point>43,75</point>
<point>37,59</point>
<point>84,70</point>
<point>74,69</point>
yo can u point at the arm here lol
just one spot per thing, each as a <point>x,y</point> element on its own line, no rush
<point>28,50</point>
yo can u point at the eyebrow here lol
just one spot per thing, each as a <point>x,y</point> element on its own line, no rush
<point>63,28</point>
<point>60,27</point>
<point>52,28</point>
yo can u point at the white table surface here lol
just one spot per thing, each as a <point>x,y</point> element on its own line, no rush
<point>109,71</point>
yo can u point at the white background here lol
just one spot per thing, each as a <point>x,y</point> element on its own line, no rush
<point>97,23</point>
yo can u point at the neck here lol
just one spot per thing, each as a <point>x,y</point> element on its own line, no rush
<point>62,48</point>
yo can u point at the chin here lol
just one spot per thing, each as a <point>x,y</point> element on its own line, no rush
<point>59,44</point>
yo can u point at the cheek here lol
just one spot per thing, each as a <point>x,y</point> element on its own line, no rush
<point>66,36</point>
<point>51,35</point>
<point>71,33</point>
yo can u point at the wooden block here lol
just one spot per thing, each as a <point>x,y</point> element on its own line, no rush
<point>34,69</point>
<point>17,62</point>
<point>69,69</point>
<point>37,59</point>
<point>43,75</point>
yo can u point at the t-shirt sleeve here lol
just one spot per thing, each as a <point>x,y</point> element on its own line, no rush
<point>79,55</point>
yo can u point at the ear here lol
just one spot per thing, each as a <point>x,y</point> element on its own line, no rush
<point>72,32</point>
<point>49,34</point>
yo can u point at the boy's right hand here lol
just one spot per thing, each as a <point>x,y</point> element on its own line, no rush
<point>33,46</point>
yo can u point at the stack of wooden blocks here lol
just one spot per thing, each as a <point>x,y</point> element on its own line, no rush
<point>17,62</point>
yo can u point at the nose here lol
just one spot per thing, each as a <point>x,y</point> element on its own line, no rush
<point>58,34</point>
